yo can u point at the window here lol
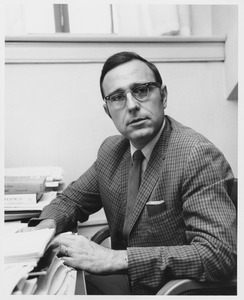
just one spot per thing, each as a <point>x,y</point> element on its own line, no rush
<point>23,19</point>
<point>90,19</point>
<point>47,18</point>
<point>94,18</point>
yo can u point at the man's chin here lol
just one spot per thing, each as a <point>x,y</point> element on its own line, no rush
<point>140,137</point>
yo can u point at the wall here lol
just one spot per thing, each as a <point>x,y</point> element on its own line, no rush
<point>54,116</point>
<point>225,21</point>
<point>201,20</point>
<point>53,107</point>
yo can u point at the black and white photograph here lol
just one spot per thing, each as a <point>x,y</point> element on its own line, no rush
<point>121,171</point>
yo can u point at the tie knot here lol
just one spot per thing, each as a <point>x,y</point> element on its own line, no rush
<point>138,155</point>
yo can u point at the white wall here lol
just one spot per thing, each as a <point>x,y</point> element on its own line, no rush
<point>201,20</point>
<point>53,108</point>
<point>197,99</point>
<point>225,21</point>
<point>54,116</point>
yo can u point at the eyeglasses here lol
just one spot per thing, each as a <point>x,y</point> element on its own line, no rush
<point>140,92</point>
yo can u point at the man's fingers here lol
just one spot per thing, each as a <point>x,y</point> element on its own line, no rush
<point>70,262</point>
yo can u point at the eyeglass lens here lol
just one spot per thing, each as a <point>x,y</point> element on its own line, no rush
<point>140,93</point>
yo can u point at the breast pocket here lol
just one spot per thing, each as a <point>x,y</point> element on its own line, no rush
<point>167,228</point>
<point>155,207</point>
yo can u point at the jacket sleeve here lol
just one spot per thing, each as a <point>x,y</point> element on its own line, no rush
<point>80,199</point>
<point>210,221</point>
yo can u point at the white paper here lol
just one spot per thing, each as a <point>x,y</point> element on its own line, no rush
<point>26,246</point>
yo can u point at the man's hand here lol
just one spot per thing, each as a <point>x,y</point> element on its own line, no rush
<point>47,223</point>
<point>80,253</point>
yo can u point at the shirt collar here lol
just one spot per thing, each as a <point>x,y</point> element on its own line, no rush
<point>147,150</point>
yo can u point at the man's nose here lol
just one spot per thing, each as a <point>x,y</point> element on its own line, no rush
<point>132,103</point>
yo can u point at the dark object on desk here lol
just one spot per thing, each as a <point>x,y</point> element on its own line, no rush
<point>189,286</point>
<point>21,215</point>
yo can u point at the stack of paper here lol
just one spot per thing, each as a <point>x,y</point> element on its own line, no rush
<point>23,190</point>
<point>33,268</point>
<point>26,247</point>
<point>25,199</point>
<point>22,251</point>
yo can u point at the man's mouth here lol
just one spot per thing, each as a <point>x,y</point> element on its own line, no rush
<point>137,120</point>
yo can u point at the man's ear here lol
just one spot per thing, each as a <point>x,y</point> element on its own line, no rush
<point>164,95</point>
<point>105,106</point>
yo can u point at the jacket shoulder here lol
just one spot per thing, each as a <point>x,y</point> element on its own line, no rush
<point>186,142</point>
<point>114,146</point>
<point>187,134</point>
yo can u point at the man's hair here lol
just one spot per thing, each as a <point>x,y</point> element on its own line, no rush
<point>121,58</point>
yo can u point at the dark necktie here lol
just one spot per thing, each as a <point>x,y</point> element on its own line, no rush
<point>133,187</point>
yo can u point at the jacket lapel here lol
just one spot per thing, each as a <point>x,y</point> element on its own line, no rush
<point>152,172</point>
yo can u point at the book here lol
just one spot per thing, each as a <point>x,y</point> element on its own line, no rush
<point>51,173</point>
<point>18,212</point>
<point>54,175</point>
<point>24,184</point>
<point>21,199</point>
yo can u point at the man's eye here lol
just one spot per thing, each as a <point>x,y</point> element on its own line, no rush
<point>140,90</point>
<point>117,97</point>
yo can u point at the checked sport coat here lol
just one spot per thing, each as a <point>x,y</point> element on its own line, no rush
<point>184,223</point>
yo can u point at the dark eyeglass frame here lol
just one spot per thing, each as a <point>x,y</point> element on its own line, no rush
<point>120,103</point>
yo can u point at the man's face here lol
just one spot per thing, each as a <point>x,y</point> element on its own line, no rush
<point>138,121</point>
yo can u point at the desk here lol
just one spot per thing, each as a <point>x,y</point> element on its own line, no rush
<point>45,276</point>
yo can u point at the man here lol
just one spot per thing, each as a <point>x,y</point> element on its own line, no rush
<point>182,223</point>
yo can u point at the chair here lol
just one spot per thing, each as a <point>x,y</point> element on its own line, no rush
<point>189,286</point>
